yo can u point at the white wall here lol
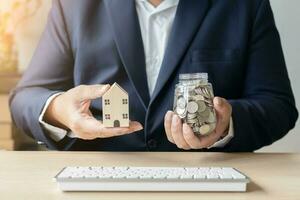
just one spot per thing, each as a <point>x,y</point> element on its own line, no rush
<point>287,17</point>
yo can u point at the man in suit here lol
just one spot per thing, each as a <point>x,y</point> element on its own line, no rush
<point>144,46</point>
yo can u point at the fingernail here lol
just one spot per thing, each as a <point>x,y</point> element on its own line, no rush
<point>185,128</point>
<point>169,114</point>
<point>140,128</point>
<point>219,101</point>
<point>175,119</point>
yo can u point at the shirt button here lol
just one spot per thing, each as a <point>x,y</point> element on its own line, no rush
<point>152,144</point>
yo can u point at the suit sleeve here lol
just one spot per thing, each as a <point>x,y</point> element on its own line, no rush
<point>267,111</point>
<point>50,72</point>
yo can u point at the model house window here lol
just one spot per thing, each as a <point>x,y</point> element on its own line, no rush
<point>107,102</point>
<point>107,116</point>
<point>125,116</point>
<point>125,101</point>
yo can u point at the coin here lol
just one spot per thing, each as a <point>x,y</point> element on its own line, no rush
<point>198,90</point>
<point>182,116</point>
<point>205,129</point>
<point>205,113</point>
<point>206,93</point>
<point>201,106</point>
<point>192,121</point>
<point>196,129</point>
<point>211,118</point>
<point>212,126</point>
<point>181,103</point>
<point>191,116</point>
<point>209,104</point>
<point>201,120</point>
<point>180,111</point>
<point>199,98</point>
<point>192,107</point>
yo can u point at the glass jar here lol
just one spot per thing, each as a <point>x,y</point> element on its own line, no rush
<point>193,102</point>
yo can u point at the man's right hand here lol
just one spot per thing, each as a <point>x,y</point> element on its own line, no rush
<point>70,110</point>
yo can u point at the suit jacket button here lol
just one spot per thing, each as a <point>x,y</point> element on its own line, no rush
<point>152,144</point>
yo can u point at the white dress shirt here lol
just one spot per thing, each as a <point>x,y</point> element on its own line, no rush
<point>155,25</point>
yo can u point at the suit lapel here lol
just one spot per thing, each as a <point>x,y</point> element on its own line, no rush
<point>126,29</point>
<point>189,16</point>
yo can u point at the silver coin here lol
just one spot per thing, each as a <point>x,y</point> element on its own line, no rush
<point>205,113</point>
<point>198,91</point>
<point>192,107</point>
<point>211,118</point>
<point>180,90</point>
<point>181,103</point>
<point>192,121</point>
<point>212,126</point>
<point>211,92</point>
<point>205,129</point>
<point>183,116</point>
<point>196,129</point>
<point>191,98</point>
<point>206,92</point>
<point>201,106</point>
<point>180,111</point>
<point>198,98</point>
<point>201,120</point>
<point>191,124</point>
<point>191,116</point>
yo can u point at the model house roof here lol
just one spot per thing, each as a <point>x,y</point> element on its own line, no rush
<point>113,87</point>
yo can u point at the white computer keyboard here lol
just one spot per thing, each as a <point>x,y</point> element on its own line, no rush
<point>151,179</point>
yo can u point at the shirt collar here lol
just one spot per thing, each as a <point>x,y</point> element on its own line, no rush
<point>165,4</point>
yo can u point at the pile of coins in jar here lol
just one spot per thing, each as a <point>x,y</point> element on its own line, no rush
<point>193,103</point>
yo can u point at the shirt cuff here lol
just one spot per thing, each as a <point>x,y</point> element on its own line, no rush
<point>54,132</point>
<point>221,143</point>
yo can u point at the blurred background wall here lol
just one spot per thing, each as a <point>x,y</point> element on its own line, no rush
<point>287,18</point>
<point>288,22</point>
<point>28,31</point>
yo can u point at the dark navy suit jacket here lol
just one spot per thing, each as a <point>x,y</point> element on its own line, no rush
<point>99,41</point>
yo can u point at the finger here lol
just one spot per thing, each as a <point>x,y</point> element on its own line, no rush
<point>223,111</point>
<point>89,92</point>
<point>90,128</point>
<point>85,106</point>
<point>208,140</point>
<point>85,127</point>
<point>111,132</point>
<point>177,135</point>
<point>167,124</point>
<point>191,139</point>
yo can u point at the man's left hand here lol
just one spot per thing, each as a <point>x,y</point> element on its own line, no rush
<point>182,135</point>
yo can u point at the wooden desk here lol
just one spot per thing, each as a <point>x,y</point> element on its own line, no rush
<point>28,175</point>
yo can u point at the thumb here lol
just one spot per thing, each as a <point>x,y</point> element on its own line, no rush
<point>223,110</point>
<point>221,105</point>
<point>89,92</point>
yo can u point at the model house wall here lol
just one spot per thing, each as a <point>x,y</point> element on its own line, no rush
<point>115,105</point>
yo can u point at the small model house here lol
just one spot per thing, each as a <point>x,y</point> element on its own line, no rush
<point>115,107</point>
